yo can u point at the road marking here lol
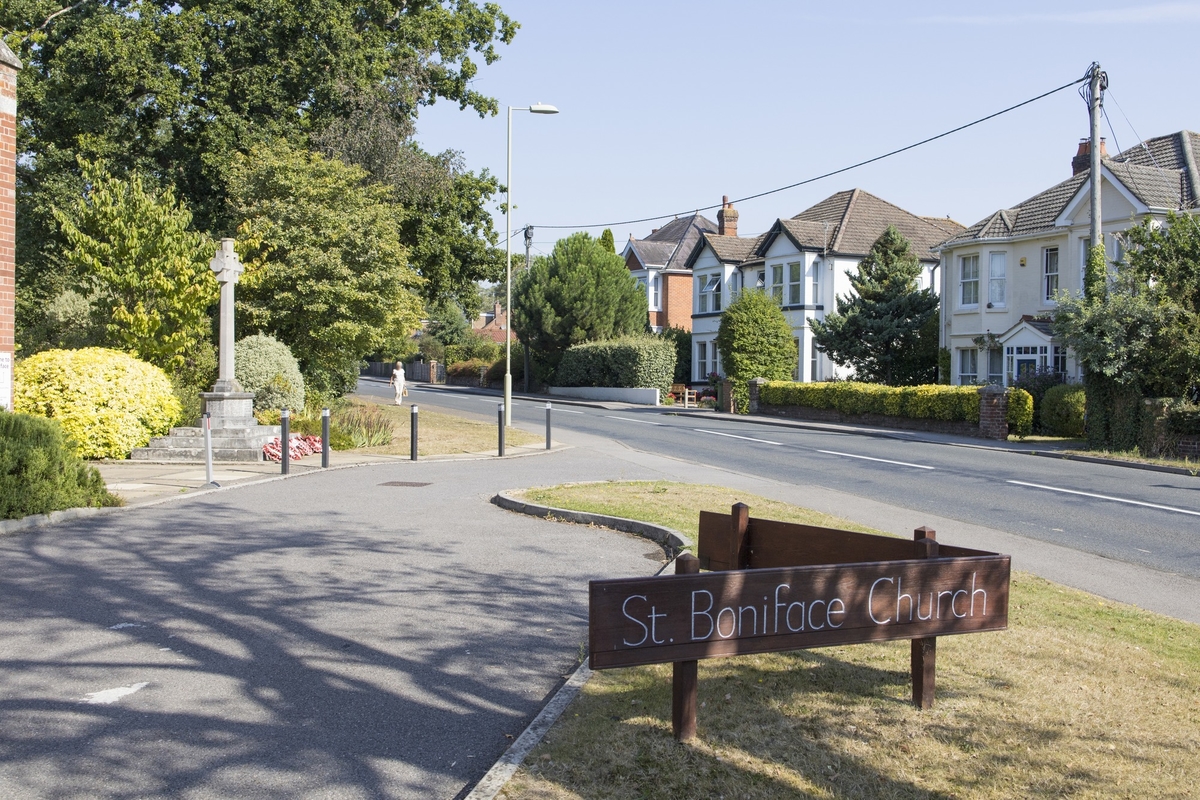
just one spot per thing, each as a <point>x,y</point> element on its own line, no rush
<point>1107,497</point>
<point>881,460</point>
<point>627,419</point>
<point>566,410</point>
<point>735,436</point>
<point>112,695</point>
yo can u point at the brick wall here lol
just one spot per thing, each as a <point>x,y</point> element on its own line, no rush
<point>677,300</point>
<point>993,413</point>
<point>8,217</point>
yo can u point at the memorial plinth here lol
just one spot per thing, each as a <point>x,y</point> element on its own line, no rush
<point>236,434</point>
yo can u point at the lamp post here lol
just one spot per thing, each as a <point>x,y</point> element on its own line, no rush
<point>536,108</point>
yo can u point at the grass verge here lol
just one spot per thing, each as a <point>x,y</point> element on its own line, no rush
<point>443,434</point>
<point>1080,697</point>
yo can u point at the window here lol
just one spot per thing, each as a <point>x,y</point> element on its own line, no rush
<point>1049,274</point>
<point>710,293</point>
<point>997,267</point>
<point>701,361</point>
<point>969,281</point>
<point>716,293</point>
<point>795,282</point>
<point>777,282</point>
<point>813,375</point>
<point>996,366</point>
<point>701,296</point>
<point>968,367</point>
<point>797,373</point>
<point>762,279</point>
<point>655,280</point>
<point>816,284</point>
<point>1060,360</point>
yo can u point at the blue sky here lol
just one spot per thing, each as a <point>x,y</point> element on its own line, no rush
<point>667,106</point>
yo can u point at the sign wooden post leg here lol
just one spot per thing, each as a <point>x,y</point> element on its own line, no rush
<point>739,551</point>
<point>924,651</point>
<point>684,676</point>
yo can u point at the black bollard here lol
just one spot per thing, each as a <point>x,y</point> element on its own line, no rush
<point>324,438</point>
<point>500,415</point>
<point>413,436</point>
<point>284,439</point>
<point>547,425</point>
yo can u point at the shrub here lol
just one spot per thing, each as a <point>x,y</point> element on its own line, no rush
<point>364,425</point>
<point>1020,412</point>
<point>630,361</point>
<point>1037,383</point>
<point>40,472</point>
<point>1183,418</point>
<point>682,340</point>
<point>930,401</point>
<point>1063,409</point>
<point>469,369</point>
<point>107,402</point>
<point>265,366</point>
<point>195,375</point>
<point>473,346</point>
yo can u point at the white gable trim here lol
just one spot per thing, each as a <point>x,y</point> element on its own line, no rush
<point>1023,327</point>
<point>1074,206</point>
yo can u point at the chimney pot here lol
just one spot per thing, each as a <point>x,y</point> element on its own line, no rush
<point>1083,156</point>
<point>727,218</point>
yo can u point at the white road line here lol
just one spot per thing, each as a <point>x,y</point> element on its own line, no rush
<point>109,696</point>
<point>1107,497</point>
<point>881,460</point>
<point>556,410</point>
<point>627,419</point>
<point>735,436</point>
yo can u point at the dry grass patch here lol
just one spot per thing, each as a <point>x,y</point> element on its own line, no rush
<point>443,434</point>
<point>1080,698</point>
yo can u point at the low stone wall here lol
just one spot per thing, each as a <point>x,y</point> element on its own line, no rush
<point>1188,447</point>
<point>643,397</point>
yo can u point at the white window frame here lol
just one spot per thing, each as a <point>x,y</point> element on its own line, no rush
<point>795,284</point>
<point>1050,279</point>
<point>816,283</point>
<point>701,296</point>
<point>997,279</point>
<point>995,365</point>
<point>965,282</point>
<point>655,284</point>
<point>777,282</point>
<point>968,357</point>
<point>702,361</point>
<point>814,370</point>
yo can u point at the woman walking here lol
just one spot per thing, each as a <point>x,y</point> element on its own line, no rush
<point>398,382</point>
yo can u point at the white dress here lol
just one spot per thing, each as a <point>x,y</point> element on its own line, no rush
<point>398,382</point>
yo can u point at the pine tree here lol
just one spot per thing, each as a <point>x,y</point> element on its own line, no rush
<point>606,240</point>
<point>882,330</point>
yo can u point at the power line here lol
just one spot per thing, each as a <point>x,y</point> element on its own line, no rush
<point>827,174</point>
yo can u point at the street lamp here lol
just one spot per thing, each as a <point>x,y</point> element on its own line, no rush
<point>536,108</point>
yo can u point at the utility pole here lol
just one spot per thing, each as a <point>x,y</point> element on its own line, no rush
<point>1097,83</point>
<point>525,347</point>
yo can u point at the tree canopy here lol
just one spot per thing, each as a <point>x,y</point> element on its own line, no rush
<point>883,329</point>
<point>581,292</point>
<point>755,339</point>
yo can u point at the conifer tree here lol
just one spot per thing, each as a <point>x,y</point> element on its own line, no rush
<point>882,329</point>
<point>606,240</point>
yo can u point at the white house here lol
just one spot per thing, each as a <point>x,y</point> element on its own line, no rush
<point>1000,276</point>
<point>657,262</point>
<point>803,262</point>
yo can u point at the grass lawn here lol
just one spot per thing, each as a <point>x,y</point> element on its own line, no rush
<point>1080,697</point>
<point>443,434</point>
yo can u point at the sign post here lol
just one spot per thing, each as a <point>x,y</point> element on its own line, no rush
<point>775,586</point>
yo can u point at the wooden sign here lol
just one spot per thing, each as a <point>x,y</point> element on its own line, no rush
<point>687,617</point>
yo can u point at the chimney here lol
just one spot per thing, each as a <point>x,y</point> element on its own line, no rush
<point>1083,157</point>
<point>727,218</point>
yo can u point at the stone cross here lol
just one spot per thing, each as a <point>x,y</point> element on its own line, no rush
<point>227,267</point>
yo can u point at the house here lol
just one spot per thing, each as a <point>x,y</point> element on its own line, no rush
<point>491,324</point>
<point>658,264</point>
<point>1000,276</point>
<point>803,262</point>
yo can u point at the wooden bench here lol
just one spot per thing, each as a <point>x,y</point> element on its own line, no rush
<point>688,395</point>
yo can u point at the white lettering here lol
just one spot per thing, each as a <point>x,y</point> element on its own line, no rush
<point>704,613</point>
<point>953,608</point>
<point>811,608</point>
<point>634,620</point>
<point>871,602</point>
<point>829,612</point>
<point>788,617</point>
<point>974,592</point>
<point>732,623</point>
<point>778,604</point>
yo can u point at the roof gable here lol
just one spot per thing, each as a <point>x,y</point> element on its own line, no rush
<point>851,221</point>
<point>670,245</point>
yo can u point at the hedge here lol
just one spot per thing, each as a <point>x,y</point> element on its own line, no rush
<point>266,368</point>
<point>107,402</point>
<point>1063,409</point>
<point>468,369</point>
<point>1020,412</point>
<point>628,362</point>
<point>40,472</point>
<point>930,401</point>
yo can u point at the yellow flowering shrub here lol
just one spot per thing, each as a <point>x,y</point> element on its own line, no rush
<point>931,401</point>
<point>106,401</point>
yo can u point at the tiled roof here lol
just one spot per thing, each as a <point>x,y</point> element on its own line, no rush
<point>732,249</point>
<point>849,222</point>
<point>670,245</point>
<point>1161,172</point>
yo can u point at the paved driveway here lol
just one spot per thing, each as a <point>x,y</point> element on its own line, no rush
<point>326,636</point>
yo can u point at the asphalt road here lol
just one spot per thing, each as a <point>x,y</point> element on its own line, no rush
<point>1134,516</point>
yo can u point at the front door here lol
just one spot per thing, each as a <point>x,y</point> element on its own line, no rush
<point>1026,366</point>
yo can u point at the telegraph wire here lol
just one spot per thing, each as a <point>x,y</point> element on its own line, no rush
<point>831,173</point>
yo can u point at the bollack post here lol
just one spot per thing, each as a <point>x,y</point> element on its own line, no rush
<point>208,472</point>
<point>924,651</point>
<point>324,438</point>
<point>413,434</point>
<point>547,425</point>
<point>285,438</point>
<point>684,677</point>
<point>500,414</point>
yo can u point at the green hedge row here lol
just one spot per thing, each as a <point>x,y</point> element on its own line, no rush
<point>932,401</point>
<point>1020,412</point>
<point>627,362</point>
